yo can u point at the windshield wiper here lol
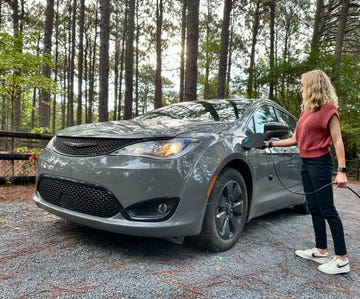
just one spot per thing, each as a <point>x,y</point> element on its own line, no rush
<point>210,108</point>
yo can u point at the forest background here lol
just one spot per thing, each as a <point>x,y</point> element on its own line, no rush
<point>67,62</point>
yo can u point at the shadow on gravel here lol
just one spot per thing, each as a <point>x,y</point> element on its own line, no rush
<point>141,248</point>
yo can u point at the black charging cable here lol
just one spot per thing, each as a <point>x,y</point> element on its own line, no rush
<point>302,193</point>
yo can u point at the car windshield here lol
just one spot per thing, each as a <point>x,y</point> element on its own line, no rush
<point>220,110</point>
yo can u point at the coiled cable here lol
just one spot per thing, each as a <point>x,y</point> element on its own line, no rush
<point>303,193</point>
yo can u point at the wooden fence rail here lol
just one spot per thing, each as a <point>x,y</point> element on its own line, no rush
<point>14,166</point>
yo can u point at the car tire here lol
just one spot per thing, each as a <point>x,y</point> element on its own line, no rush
<point>226,212</point>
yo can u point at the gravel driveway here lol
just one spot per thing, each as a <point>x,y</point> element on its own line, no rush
<point>43,256</point>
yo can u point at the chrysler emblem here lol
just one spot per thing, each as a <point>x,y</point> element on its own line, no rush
<point>77,145</point>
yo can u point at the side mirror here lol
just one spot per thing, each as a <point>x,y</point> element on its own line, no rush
<point>275,129</point>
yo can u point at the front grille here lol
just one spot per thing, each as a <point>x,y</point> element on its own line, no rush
<point>80,197</point>
<point>75,146</point>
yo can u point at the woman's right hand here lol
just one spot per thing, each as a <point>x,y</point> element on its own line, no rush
<point>341,180</point>
<point>265,145</point>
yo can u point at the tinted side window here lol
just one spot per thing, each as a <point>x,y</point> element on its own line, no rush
<point>288,120</point>
<point>250,129</point>
<point>262,116</point>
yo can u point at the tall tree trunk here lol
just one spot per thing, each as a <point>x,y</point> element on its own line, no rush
<point>340,41</point>
<point>182,52</point>
<point>315,41</point>
<point>283,88</point>
<point>92,44</point>
<point>16,94</point>
<point>80,63</point>
<point>3,113</point>
<point>272,6</point>
<point>56,65</point>
<point>86,75</point>
<point>67,68</point>
<point>224,48</point>
<point>228,80</point>
<point>92,78</point>
<point>65,95</point>
<point>116,59</point>
<point>45,98</point>
<point>129,60</point>
<point>137,37</point>
<point>158,82</point>
<point>72,65</point>
<point>251,69</point>
<point>104,60</point>
<point>122,57</point>
<point>207,54</point>
<point>192,50</point>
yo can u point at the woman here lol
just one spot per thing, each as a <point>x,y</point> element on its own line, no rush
<point>318,127</point>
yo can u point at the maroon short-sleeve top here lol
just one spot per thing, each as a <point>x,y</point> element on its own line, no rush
<point>312,131</point>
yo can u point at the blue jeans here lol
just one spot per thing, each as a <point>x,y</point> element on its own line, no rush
<point>316,173</point>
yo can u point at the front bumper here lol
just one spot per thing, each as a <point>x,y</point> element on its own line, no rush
<point>131,184</point>
<point>174,227</point>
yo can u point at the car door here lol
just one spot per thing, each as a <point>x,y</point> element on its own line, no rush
<point>269,194</point>
<point>290,166</point>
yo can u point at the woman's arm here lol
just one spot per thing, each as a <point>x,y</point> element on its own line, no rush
<point>334,126</point>
<point>283,142</point>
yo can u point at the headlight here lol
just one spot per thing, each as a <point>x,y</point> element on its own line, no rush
<point>172,148</point>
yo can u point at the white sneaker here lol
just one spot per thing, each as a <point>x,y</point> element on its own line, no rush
<point>335,266</point>
<point>313,254</point>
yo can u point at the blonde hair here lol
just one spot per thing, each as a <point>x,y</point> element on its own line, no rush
<point>317,90</point>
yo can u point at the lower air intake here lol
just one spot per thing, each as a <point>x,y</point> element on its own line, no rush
<point>80,197</point>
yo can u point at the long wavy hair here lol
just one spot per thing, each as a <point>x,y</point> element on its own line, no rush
<point>317,90</point>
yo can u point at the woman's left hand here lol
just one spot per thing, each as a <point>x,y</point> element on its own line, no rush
<point>341,180</point>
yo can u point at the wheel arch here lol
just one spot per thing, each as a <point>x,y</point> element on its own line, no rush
<point>209,237</point>
<point>245,171</point>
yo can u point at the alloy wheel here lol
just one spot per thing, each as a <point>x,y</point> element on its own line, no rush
<point>229,210</point>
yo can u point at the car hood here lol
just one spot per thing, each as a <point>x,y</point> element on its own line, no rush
<point>144,128</point>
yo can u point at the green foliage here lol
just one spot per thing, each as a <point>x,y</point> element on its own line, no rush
<point>20,71</point>
<point>349,97</point>
<point>40,130</point>
<point>26,150</point>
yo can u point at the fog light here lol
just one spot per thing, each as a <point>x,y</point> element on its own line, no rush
<point>157,209</point>
<point>162,208</point>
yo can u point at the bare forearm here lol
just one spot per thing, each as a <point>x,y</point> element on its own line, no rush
<point>285,142</point>
<point>340,153</point>
<point>337,140</point>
